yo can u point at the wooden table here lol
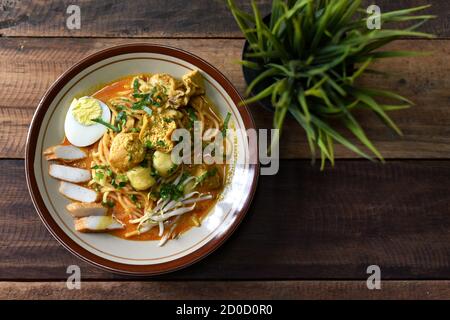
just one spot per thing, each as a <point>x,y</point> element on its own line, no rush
<point>309,234</point>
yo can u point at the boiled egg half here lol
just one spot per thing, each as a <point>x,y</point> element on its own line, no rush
<point>79,128</point>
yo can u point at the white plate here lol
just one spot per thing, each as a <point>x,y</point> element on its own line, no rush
<point>107,251</point>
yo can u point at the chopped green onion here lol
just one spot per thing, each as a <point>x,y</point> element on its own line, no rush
<point>148,144</point>
<point>136,85</point>
<point>210,173</point>
<point>225,124</point>
<point>99,175</point>
<point>147,110</point>
<point>140,95</point>
<point>106,124</point>
<point>108,203</point>
<point>121,120</point>
<point>192,116</point>
<point>170,191</point>
<point>160,143</point>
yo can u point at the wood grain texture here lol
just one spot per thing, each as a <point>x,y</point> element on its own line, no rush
<point>226,290</point>
<point>29,66</point>
<point>157,18</point>
<point>303,224</point>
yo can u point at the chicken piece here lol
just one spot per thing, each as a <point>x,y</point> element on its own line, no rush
<point>97,224</point>
<point>165,83</point>
<point>79,210</point>
<point>163,88</point>
<point>193,81</point>
<point>193,86</point>
<point>77,193</point>
<point>142,84</point>
<point>126,152</point>
<point>70,174</point>
<point>156,132</point>
<point>64,153</point>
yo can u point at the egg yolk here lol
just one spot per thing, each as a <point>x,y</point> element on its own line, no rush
<point>85,109</point>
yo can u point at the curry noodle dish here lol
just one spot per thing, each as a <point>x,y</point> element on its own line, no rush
<point>115,161</point>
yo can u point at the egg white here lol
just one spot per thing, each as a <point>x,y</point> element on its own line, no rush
<point>80,135</point>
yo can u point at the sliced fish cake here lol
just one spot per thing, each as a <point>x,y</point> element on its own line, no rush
<point>70,174</point>
<point>65,153</point>
<point>77,193</point>
<point>97,224</point>
<point>80,210</point>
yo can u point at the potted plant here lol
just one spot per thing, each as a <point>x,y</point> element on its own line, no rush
<point>305,58</point>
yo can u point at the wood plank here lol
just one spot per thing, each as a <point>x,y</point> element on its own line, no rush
<point>29,66</point>
<point>168,18</point>
<point>303,224</point>
<point>226,290</point>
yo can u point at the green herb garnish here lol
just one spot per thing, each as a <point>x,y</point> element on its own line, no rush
<point>121,120</point>
<point>136,86</point>
<point>192,117</point>
<point>99,175</point>
<point>154,173</point>
<point>210,173</point>
<point>225,124</point>
<point>143,105</point>
<point>119,181</point>
<point>184,177</point>
<point>160,143</point>
<point>108,203</point>
<point>147,110</point>
<point>141,95</point>
<point>172,169</point>
<point>106,124</point>
<point>170,191</point>
<point>148,144</point>
<point>134,199</point>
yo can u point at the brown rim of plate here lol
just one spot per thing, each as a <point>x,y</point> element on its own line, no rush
<point>52,226</point>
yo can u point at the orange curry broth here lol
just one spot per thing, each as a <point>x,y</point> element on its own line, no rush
<point>186,221</point>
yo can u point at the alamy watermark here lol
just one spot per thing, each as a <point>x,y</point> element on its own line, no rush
<point>73,21</point>
<point>374,280</point>
<point>374,19</point>
<point>216,147</point>
<point>74,279</point>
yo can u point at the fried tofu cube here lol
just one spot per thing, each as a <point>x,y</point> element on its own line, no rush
<point>156,132</point>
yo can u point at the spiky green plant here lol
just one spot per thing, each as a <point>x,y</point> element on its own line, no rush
<point>311,54</point>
